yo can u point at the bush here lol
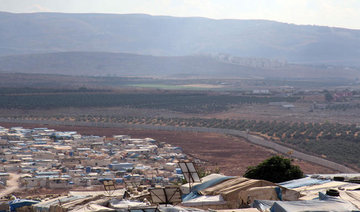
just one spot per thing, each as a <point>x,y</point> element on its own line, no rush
<point>275,169</point>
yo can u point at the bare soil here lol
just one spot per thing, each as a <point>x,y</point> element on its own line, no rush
<point>12,185</point>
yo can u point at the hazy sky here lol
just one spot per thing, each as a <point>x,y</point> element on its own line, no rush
<point>340,13</point>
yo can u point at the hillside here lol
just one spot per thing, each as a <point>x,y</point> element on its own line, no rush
<point>172,36</point>
<point>121,64</point>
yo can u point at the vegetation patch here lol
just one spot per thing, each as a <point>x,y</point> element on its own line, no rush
<point>181,102</point>
<point>275,169</point>
<point>159,86</point>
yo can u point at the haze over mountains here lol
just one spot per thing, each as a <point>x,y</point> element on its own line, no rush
<point>172,36</point>
<point>79,34</point>
<point>121,64</point>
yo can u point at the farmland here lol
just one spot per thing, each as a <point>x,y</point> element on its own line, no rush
<point>182,102</point>
<point>330,132</point>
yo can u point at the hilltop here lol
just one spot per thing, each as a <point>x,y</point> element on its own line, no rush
<point>173,36</point>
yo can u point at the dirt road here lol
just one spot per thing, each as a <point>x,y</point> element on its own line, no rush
<point>12,185</point>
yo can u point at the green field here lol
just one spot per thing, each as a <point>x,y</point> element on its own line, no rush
<point>160,86</point>
<point>171,87</point>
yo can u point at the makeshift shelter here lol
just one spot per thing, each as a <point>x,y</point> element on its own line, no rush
<point>313,205</point>
<point>223,192</point>
<point>65,203</point>
<point>125,204</point>
<point>240,191</point>
<point>331,204</point>
<point>16,204</point>
<point>171,208</point>
<point>114,193</point>
<point>310,192</point>
<point>310,187</point>
<point>93,208</point>
<point>205,202</point>
<point>207,182</point>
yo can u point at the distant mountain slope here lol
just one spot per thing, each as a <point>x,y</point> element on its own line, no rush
<point>171,36</point>
<point>121,64</point>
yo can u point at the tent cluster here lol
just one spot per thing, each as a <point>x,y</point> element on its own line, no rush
<point>215,193</point>
<point>221,192</point>
<point>312,193</point>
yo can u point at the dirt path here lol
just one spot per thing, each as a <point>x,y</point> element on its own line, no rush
<point>12,185</point>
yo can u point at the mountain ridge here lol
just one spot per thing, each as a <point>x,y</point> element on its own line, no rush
<point>31,33</point>
<point>195,66</point>
<point>185,17</point>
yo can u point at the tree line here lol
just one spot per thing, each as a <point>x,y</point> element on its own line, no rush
<point>181,102</point>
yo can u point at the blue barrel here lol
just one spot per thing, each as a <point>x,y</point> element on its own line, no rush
<point>88,169</point>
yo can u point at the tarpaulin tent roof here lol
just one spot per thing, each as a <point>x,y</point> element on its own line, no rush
<point>310,188</point>
<point>263,205</point>
<point>205,200</point>
<point>45,205</point>
<point>63,203</point>
<point>119,192</point>
<point>306,181</point>
<point>186,187</point>
<point>171,208</point>
<point>211,181</point>
<point>331,176</point>
<point>310,192</point>
<point>124,204</point>
<point>325,203</point>
<point>242,191</point>
<point>265,192</point>
<point>230,187</point>
<point>18,203</point>
<point>93,208</point>
<point>351,196</point>
<point>334,205</point>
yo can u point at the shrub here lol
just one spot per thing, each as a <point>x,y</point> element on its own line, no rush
<point>275,169</point>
